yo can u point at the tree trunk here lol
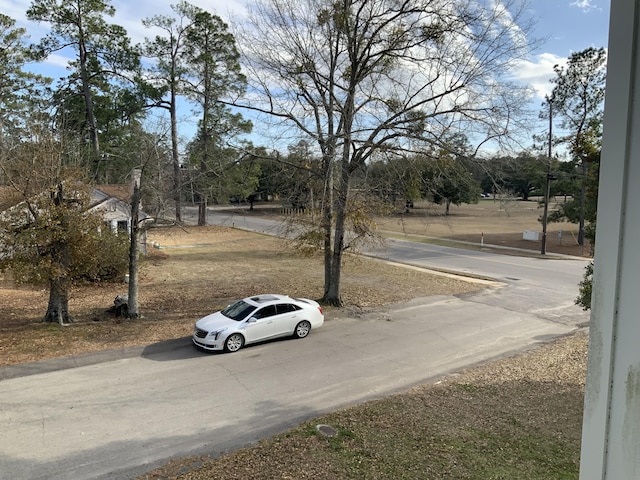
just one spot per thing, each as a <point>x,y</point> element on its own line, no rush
<point>327,251</point>
<point>175,155</point>
<point>327,220</point>
<point>88,102</point>
<point>204,163</point>
<point>333,296</point>
<point>202,211</point>
<point>583,201</point>
<point>58,308</point>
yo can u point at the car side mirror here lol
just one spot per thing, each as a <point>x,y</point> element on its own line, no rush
<point>252,320</point>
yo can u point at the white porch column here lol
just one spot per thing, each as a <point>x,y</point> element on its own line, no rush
<point>611,425</point>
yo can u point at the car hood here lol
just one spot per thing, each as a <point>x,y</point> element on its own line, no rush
<point>215,321</point>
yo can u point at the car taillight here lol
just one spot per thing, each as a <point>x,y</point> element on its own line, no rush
<point>320,310</point>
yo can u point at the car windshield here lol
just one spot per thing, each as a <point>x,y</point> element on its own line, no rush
<point>238,311</point>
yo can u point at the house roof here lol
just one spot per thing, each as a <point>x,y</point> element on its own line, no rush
<point>113,200</point>
<point>8,198</point>
<point>111,197</point>
<point>119,191</point>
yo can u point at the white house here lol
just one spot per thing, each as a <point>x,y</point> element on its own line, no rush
<point>112,202</point>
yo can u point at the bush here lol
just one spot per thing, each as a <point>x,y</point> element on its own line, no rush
<point>586,286</point>
<point>110,262</point>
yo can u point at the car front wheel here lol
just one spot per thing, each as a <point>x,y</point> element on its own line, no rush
<point>234,342</point>
<point>302,329</point>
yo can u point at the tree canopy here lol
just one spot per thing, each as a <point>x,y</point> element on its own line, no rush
<point>104,58</point>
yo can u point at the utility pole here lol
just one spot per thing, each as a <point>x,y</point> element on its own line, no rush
<point>133,310</point>
<point>543,248</point>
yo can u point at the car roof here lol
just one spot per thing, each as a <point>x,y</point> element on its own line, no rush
<point>266,299</point>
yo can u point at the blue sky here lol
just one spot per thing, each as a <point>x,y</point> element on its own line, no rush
<point>565,25</point>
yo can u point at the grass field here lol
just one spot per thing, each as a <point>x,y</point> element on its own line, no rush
<point>492,222</point>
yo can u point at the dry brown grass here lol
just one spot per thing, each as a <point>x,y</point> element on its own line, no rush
<point>216,265</point>
<point>197,270</point>
<point>492,222</point>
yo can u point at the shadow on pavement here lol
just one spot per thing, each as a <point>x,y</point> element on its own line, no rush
<point>176,349</point>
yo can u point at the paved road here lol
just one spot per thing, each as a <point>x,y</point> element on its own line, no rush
<point>119,414</point>
<point>546,287</point>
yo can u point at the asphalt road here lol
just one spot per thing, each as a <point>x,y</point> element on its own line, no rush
<point>119,414</point>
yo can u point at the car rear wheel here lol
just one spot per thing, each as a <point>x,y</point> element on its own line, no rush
<point>234,342</point>
<point>302,329</point>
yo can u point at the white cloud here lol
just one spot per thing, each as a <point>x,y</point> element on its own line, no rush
<point>538,71</point>
<point>585,5</point>
<point>128,14</point>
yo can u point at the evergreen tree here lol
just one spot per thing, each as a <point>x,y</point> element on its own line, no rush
<point>100,85</point>
<point>213,76</point>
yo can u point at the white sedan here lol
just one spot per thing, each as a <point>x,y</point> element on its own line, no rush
<point>255,319</point>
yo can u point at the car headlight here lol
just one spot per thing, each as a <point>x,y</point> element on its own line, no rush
<point>216,333</point>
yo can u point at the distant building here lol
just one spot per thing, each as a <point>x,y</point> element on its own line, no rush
<point>111,201</point>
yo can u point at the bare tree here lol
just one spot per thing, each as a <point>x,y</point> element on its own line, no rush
<point>360,76</point>
<point>152,154</point>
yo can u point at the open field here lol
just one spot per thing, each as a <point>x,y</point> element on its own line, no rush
<point>500,223</point>
<point>492,222</point>
<point>217,265</point>
<point>517,418</point>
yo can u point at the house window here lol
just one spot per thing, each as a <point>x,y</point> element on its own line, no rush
<point>123,226</point>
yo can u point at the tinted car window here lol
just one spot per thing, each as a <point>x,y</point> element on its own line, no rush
<point>286,308</point>
<point>238,311</point>
<point>264,312</point>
